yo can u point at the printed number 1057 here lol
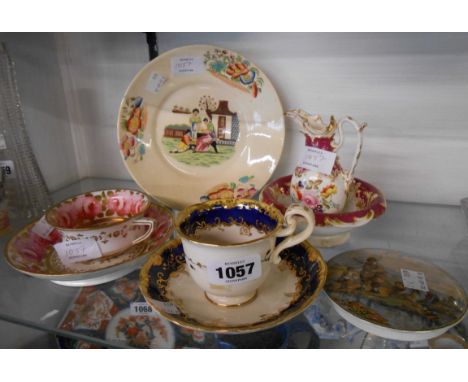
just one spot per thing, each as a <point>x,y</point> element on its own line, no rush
<point>233,272</point>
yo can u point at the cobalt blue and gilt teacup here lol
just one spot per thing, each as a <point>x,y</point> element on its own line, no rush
<point>229,244</point>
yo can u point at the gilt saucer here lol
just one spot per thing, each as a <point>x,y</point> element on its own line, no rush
<point>29,253</point>
<point>289,289</point>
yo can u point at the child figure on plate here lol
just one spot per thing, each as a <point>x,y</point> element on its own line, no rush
<point>184,144</point>
<point>195,121</point>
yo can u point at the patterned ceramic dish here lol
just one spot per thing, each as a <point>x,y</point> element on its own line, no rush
<point>141,331</point>
<point>365,203</point>
<point>394,296</point>
<point>32,254</point>
<point>289,289</point>
<point>198,123</point>
<point>102,312</point>
<point>448,341</point>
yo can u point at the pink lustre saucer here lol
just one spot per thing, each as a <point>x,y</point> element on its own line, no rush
<point>365,203</point>
<point>31,254</point>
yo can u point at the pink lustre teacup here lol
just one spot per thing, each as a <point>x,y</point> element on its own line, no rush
<point>230,244</point>
<point>114,218</point>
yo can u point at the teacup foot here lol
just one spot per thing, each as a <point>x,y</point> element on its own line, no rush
<point>230,301</point>
<point>329,241</point>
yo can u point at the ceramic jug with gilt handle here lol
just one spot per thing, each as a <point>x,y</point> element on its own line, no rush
<point>323,192</point>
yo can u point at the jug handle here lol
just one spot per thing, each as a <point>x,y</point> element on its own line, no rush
<point>337,143</point>
<point>350,173</point>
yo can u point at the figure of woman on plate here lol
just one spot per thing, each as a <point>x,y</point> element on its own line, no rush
<point>206,137</point>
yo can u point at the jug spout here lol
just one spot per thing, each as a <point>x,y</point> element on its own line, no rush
<point>312,124</point>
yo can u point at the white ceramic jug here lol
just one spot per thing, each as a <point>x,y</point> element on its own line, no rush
<point>325,193</point>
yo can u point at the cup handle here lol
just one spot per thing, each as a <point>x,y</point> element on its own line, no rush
<point>144,221</point>
<point>290,218</point>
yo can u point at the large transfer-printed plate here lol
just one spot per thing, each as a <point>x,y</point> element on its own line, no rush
<point>198,123</point>
<point>394,296</point>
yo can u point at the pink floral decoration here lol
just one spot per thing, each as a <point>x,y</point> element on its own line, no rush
<point>82,209</point>
<point>310,200</point>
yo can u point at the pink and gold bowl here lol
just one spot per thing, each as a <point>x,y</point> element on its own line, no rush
<point>365,203</point>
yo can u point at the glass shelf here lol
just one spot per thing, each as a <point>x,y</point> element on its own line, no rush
<point>431,232</point>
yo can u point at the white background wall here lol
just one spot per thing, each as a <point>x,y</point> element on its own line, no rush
<point>412,89</point>
<point>44,107</point>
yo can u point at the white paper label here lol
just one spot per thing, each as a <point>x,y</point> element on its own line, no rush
<point>42,228</point>
<point>167,306</point>
<point>141,309</point>
<point>414,280</point>
<point>78,250</point>
<point>155,82</point>
<point>319,160</point>
<point>235,271</point>
<point>187,65</point>
<point>9,167</point>
<point>2,142</point>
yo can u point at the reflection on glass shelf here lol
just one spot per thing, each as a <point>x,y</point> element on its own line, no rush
<point>431,232</point>
<point>106,312</point>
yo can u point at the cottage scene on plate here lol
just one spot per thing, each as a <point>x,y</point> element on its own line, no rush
<point>209,128</point>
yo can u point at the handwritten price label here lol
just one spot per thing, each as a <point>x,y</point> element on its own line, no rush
<point>414,280</point>
<point>77,250</point>
<point>235,271</point>
<point>155,83</point>
<point>187,65</point>
<point>42,228</point>
<point>319,160</point>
